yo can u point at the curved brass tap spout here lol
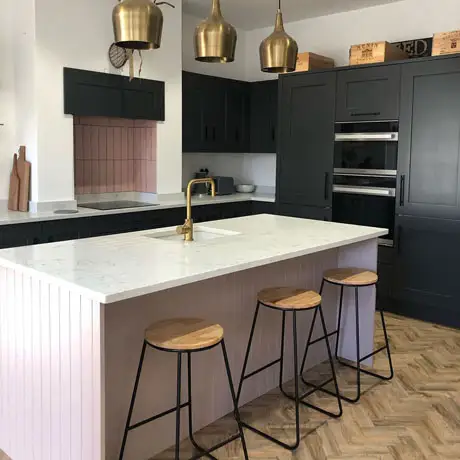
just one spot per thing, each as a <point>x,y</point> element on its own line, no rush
<point>187,228</point>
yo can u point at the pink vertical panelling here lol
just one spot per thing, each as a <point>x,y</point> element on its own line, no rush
<point>37,433</point>
<point>62,297</point>
<point>87,406</point>
<point>104,150</point>
<point>45,371</point>
<point>20,377</point>
<point>76,376</point>
<point>57,429</point>
<point>98,374</point>
<point>28,367</point>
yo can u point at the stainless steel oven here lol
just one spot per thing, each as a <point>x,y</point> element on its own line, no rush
<point>365,170</point>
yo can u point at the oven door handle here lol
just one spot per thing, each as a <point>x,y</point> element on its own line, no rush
<point>343,137</point>
<point>374,191</point>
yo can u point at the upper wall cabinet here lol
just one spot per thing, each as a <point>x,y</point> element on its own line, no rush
<point>264,116</point>
<point>100,94</point>
<point>429,141</point>
<point>215,114</point>
<point>306,144</point>
<point>367,94</point>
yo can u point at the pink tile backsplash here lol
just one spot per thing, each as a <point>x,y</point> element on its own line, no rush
<point>114,155</point>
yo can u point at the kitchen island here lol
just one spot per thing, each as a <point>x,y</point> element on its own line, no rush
<point>73,314</point>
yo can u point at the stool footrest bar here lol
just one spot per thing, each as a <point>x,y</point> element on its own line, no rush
<point>217,446</point>
<point>263,368</point>
<point>372,354</point>
<point>323,337</point>
<point>155,417</point>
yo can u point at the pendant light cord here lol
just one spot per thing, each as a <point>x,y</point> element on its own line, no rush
<point>279,5</point>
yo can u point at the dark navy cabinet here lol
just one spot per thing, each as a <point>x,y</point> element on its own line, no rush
<point>368,94</point>
<point>100,94</point>
<point>429,140</point>
<point>264,116</point>
<point>306,144</point>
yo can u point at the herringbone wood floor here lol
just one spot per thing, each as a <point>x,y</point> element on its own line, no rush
<point>415,416</point>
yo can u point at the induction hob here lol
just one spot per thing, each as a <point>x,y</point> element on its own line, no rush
<point>109,205</point>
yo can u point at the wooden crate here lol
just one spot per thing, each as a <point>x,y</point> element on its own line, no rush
<point>446,43</point>
<point>370,53</point>
<point>311,61</point>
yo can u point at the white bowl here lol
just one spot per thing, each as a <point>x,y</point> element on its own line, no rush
<point>245,188</point>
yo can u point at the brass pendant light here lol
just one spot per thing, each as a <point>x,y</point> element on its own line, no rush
<point>215,39</point>
<point>138,24</point>
<point>278,52</point>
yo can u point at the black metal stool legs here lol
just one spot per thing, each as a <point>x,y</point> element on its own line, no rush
<point>359,359</point>
<point>297,397</point>
<point>202,452</point>
<point>331,362</point>
<point>133,398</point>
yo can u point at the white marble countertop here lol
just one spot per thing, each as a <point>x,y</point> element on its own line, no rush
<point>117,267</point>
<point>15,217</point>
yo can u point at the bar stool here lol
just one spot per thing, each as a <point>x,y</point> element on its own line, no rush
<point>184,336</point>
<point>287,299</point>
<point>352,278</point>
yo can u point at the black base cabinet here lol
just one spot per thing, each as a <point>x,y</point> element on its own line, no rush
<point>305,212</point>
<point>425,277</point>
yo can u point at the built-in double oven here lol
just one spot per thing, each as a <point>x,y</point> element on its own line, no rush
<point>365,171</point>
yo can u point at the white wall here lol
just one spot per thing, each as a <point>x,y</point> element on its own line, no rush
<point>78,35</point>
<point>333,35</point>
<point>257,169</point>
<point>235,70</point>
<point>7,96</point>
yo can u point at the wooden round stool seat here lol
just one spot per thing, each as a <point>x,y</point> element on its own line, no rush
<point>351,276</point>
<point>184,334</point>
<point>288,298</point>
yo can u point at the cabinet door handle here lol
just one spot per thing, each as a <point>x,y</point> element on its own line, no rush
<point>326,186</point>
<point>402,187</point>
<point>273,134</point>
<point>205,133</point>
<point>365,114</point>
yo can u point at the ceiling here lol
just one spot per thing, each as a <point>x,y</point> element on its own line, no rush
<point>254,14</point>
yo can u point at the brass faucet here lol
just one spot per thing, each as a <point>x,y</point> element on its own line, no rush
<point>187,228</point>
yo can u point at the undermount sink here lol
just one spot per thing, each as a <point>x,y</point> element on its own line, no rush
<point>200,234</point>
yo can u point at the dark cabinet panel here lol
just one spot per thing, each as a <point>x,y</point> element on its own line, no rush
<point>264,116</point>
<point>425,281</point>
<point>306,144</point>
<point>144,99</point>
<point>237,117</point>
<point>429,141</point>
<point>214,114</point>
<point>193,129</point>
<point>262,207</point>
<point>370,93</point>
<point>16,235</point>
<point>99,94</point>
<point>305,212</point>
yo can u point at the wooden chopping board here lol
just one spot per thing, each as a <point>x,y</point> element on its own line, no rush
<point>13,195</point>
<point>24,168</point>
